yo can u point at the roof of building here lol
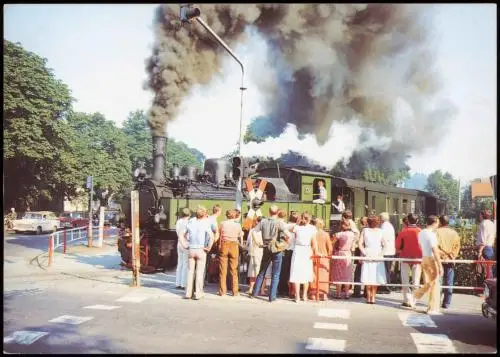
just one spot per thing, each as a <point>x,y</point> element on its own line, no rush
<point>481,189</point>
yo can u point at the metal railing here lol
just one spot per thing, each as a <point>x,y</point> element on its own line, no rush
<point>67,236</point>
<point>317,259</point>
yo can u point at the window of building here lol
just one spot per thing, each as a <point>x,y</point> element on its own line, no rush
<point>412,206</point>
<point>373,202</point>
<point>405,206</point>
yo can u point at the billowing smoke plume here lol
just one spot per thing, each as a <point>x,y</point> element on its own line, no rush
<point>372,64</point>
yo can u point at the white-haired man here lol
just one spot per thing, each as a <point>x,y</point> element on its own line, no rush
<point>389,237</point>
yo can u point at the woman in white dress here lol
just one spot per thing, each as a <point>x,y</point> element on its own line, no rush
<point>301,271</point>
<point>370,245</point>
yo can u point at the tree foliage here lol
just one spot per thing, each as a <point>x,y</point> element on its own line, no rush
<point>37,163</point>
<point>101,152</point>
<point>471,207</point>
<point>138,138</point>
<point>49,150</point>
<point>445,187</point>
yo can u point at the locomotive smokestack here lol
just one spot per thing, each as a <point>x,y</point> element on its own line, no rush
<point>158,157</point>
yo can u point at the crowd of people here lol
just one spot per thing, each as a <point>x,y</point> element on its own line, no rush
<point>295,253</point>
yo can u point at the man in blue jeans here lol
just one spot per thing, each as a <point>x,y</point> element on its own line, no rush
<point>270,228</point>
<point>449,247</point>
<point>485,240</point>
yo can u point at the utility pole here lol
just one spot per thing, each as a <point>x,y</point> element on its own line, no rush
<point>101,226</point>
<point>90,185</point>
<point>136,254</point>
<point>187,13</point>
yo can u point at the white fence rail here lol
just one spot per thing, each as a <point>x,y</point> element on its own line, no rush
<point>67,236</point>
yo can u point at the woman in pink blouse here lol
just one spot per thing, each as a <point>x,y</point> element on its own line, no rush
<point>341,269</point>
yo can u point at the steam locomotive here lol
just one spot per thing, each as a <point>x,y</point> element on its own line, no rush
<point>290,188</point>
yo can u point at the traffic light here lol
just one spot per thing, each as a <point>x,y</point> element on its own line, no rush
<point>237,168</point>
<point>188,13</point>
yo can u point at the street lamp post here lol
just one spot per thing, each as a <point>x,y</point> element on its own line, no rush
<point>188,13</point>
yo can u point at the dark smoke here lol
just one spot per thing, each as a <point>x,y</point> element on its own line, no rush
<point>331,62</point>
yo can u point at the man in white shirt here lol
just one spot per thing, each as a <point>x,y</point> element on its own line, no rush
<point>389,250</point>
<point>182,251</point>
<point>339,206</point>
<point>485,240</point>
<point>322,193</point>
<point>432,268</point>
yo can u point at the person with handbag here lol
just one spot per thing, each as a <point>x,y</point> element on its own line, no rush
<point>274,239</point>
<point>301,272</point>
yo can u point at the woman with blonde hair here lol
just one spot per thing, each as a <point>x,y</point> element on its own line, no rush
<point>321,264</point>
<point>301,271</point>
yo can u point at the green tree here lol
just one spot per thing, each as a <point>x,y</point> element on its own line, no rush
<point>445,187</point>
<point>180,154</point>
<point>140,145</point>
<point>38,165</point>
<point>139,142</point>
<point>100,150</point>
<point>471,207</point>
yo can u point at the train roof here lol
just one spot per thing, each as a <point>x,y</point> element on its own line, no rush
<point>306,172</point>
<point>373,186</point>
<point>347,182</point>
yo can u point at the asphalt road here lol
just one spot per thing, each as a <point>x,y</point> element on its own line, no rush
<point>61,309</point>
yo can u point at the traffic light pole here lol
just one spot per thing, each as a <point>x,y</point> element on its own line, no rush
<point>239,194</point>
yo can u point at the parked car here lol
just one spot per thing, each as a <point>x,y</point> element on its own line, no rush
<point>37,222</point>
<point>489,307</point>
<point>74,219</point>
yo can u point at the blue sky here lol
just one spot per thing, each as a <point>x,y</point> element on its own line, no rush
<point>100,52</point>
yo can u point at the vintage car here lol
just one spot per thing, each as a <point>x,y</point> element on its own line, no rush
<point>489,307</point>
<point>37,222</point>
<point>74,219</point>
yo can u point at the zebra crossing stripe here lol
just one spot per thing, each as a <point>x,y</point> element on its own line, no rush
<point>24,337</point>
<point>71,320</point>
<point>133,298</point>
<point>416,320</point>
<point>330,326</point>
<point>102,307</point>
<point>325,344</point>
<point>336,313</point>
<point>433,343</point>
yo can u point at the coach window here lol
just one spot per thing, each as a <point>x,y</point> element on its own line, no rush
<point>405,206</point>
<point>316,193</point>
<point>395,204</point>
<point>373,202</point>
<point>412,206</point>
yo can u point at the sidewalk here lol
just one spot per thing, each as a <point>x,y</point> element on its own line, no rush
<point>103,265</point>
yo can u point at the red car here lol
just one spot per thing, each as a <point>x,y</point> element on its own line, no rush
<point>74,219</point>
